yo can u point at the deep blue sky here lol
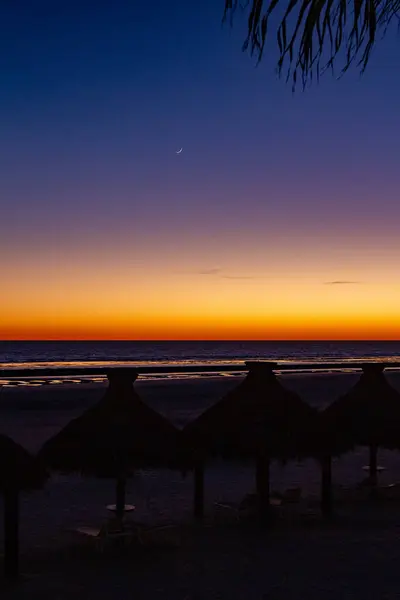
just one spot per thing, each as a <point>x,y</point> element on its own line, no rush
<point>95,97</point>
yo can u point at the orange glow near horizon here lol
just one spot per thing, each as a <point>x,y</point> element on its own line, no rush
<point>228,303</point>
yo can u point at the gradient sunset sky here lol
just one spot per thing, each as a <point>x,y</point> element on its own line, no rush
<point>279,219</point>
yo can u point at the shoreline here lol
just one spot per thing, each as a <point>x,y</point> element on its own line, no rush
<point>34,408</point>
<point>85,380</point>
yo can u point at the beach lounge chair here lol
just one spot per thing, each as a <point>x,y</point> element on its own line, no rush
<point>239,510</point>
<point>244,509</point>
<point>390,491</point>
<point>248,506</point>
<point>110,531</point>
<point>227,507</point>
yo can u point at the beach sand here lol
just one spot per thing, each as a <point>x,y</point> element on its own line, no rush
<point>356,557</point>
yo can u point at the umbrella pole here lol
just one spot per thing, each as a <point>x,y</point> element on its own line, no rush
<point>199,491</point>
<point>373,472</point>
<point>120,504</point>
<point>11,534</point>
<point>262,484</point>
<point>326,486</point>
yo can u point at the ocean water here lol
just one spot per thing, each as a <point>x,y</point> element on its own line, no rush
<point>105,353</point>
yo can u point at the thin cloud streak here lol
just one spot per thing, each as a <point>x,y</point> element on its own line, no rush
<point>342,282</point>
<point>243,277</point>
<point>214,271</point>
<point>218,273</point>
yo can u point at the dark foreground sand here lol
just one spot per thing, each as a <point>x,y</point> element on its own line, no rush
<point>357,557</point>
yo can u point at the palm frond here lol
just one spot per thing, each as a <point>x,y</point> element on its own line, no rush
<point>312,34</point>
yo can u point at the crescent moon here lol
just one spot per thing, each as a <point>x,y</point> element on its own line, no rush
<point>179,151</point>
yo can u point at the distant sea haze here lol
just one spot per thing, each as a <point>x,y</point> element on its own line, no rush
<point>110,353</point>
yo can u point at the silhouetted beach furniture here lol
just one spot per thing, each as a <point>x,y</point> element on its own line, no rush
<point>260,420</point>
<point>18,471</point>
<point>114,437</point>
<point>367,415</point>
<point>110,532</point>
<point>390,492</point>
<point>249,505</point>
<point>115,532</point>
<point>233,509</point>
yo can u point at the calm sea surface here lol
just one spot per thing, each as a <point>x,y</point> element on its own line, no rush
<point>90,354</point>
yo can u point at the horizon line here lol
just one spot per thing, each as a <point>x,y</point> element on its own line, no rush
<point>238,340</point>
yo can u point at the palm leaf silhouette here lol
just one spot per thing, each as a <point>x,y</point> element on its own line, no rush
<point>313,34</point>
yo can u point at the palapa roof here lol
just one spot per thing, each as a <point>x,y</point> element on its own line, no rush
<point>259,416</point>
<point>116,435</point>
<point>369,414</point>
<point>18,468</point>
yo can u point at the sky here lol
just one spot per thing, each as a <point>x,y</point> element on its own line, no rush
<point>278,220</point>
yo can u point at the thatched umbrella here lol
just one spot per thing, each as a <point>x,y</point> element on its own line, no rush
<point>18,471</point>
<point>114,437</point>
<point>259,420</point>
<point>368,415</point>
